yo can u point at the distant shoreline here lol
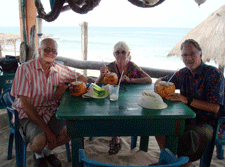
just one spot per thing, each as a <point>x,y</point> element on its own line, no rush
<point>101,27</point>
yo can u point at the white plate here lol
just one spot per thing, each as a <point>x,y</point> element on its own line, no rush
<point>87,95</point>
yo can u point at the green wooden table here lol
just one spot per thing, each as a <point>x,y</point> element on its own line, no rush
<point>102,117</point>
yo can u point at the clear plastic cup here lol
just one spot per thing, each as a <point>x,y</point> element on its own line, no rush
<point>114,92</point>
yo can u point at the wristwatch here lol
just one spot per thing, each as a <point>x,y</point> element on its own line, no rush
<point>190,99</point>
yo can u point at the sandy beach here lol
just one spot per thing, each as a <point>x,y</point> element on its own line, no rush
<point>96,150</point>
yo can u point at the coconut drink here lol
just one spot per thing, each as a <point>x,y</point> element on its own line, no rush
<point>164,88</point>
<point>77,88</point>
<point>111,78</point>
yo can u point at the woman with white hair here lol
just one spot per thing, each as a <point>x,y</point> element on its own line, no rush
<point>131,74</point>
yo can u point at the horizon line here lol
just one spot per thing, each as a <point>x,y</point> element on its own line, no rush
<point>103,27</point>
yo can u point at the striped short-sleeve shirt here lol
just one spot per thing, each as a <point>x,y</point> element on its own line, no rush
<point>30,81</point>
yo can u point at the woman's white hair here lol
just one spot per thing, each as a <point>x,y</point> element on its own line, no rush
<point>121,45</point>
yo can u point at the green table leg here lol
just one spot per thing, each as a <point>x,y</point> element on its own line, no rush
<point>133,142</point>
<point>144,143</point>
<point>76,143</point>
<point>172,143</point>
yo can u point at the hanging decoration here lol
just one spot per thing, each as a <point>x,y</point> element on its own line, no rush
<point>39,26</point>
<point>84,6</point>
<point>78,6</point>
<point>146,3</point>
<point>199,2</point>
<point>27,51</point>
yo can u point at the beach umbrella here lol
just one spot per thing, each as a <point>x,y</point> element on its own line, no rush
<point>210,34</point>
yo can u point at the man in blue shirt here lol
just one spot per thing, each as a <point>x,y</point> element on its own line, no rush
<point>202,89</point>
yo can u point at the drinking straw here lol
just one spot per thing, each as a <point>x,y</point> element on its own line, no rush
<point>75,74</point>
<point>172,75</point>
<point>104,65</point>
<point>128,58</point>
<point>120,79</point>
<point>103,62</point>
<point>119,82</point>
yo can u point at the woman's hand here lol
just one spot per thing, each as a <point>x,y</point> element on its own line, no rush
<point>125,79</point>
<point>103,71</point>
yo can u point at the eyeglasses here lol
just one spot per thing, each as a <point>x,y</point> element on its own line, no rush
<point>192,54</point>
<point>123,52</point>
<point>48,50</point>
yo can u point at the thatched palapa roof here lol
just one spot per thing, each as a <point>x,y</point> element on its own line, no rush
<point>210,34</point>
<point>5,38</point>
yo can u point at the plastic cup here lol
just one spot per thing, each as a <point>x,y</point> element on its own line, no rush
<point>114,92</point>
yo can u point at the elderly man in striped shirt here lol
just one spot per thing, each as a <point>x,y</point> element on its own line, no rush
<point>36,102</point>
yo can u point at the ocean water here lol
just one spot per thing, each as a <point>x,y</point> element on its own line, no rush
<point>149,46</point>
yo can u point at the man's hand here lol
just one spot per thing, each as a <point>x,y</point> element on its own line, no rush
<point>177,97</point>
<point>60,91</point>
<point>51,140</point>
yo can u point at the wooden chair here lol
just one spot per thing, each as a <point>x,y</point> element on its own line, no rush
<point>166,159</point>
<point>20,144</point>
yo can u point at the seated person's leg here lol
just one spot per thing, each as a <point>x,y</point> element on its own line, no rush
<point>62,137</point>
<point>114,145</point>
<point>58,127</point>
<point>161,141</point>
<point>32,134</point>
<point>194,142</point>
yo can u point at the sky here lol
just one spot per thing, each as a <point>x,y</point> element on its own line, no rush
<point>121,13</point>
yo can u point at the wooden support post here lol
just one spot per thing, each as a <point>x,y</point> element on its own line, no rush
<point>30,20</point>
<point>84,42</point>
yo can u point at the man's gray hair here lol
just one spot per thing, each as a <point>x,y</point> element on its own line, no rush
<point>42,43</point>
<point>191,42</point>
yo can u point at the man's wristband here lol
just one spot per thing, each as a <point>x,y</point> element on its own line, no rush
<point>190,99</point>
